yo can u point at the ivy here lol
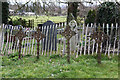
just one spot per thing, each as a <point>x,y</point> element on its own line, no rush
<point>5,12</point>
<point>108,12</point>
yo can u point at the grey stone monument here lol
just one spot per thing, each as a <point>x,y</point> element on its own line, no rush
<point>50,41</point>
<point>73,25</point>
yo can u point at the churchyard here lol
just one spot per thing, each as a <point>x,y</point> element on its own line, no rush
<point>60,46</point>
<point>53,54</point>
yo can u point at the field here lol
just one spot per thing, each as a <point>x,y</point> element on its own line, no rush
<point>57,67</point>
<point>42,19</point>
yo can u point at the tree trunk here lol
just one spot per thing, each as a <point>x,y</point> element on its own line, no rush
<point>72,14</point>
<point>72,8</point>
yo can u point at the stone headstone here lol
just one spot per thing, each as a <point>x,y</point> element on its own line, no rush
<point>50,41</point>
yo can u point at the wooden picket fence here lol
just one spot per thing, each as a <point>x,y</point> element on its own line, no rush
<point>57,44</point>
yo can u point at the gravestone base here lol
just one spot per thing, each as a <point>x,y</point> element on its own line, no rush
<point>72,44</point>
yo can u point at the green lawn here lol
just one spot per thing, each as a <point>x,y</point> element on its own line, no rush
<point>42,19</point>
<point>81,67</point>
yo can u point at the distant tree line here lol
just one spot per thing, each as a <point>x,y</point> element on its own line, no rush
<point>107,13</point>
<point>5,12</point>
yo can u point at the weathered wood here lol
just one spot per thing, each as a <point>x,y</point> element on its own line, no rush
<point>107,40</point>
<point>115,39</point>
<point>90,47</point>
<point>46,40</point>
<point>0,38</point>
<point>118,41</point>
<point>6,47</point>
<point>2,47</point>
<point>82,39</point>
<point>85,40</point>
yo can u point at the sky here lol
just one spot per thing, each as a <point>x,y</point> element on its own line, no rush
<point>95,2</point>
<point>23,1</point>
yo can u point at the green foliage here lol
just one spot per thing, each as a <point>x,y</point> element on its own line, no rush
<point>5,12</point>
<point>16,22</point>
<point>13,55</point>
<point>108,12</point>
<point>42,19</point>
<point>81,67</point>
<point>55,56</point>
<point>91,17</point>
<point>19,21</point>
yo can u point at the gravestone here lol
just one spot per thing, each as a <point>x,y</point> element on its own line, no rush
<point>50,41</point>
<point>73,25</point>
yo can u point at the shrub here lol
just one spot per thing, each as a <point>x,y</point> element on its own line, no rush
<point>19,21</point>
<point>91,17</point>
<point>16,22</point>
<point>13,55</point>
<point>108,12</point>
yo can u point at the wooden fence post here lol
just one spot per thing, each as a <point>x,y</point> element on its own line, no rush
<point>0,37</point>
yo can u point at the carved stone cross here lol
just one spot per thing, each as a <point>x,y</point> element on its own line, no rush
<point>68,33</point>
<point>20,34</point>
<point>99,37</point>
<point>38,36</point>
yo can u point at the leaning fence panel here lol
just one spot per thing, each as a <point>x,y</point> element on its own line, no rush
<point>54,43</point>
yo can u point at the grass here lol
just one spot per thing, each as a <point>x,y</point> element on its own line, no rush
<point>42,19</point>
<point>57,67</point>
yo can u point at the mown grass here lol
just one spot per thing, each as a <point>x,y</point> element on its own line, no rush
<point>42,19</point>
<point>57,67</point>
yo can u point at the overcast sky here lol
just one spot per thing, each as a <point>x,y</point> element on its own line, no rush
<point>95,2</point>
<point>63,0</point>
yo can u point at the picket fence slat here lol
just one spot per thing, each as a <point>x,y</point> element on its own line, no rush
<point>50,45</point>
<point>82,39</point>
